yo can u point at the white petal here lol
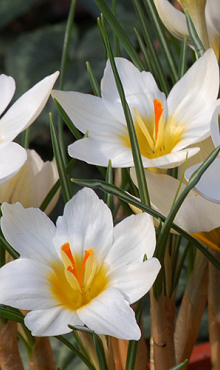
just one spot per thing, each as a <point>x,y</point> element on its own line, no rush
<point>7,90</point>
<point>140,90</point>
<point>170,160</point>
<point>24,285</point>
<point>195,91</point>
<point>109,313</point>
<point>53,321</point>
<point>198,215</point>
<point>173,19</point>
<point>29,231</point>
<point>133,238</point>
<point>208,185</point>
<point>86,223</point>
<point>26,109</point>
<point>13,156</point>
<point>215,133</point>
<point>99,152</point>
<point>136,280</point>
<point>88,112</point>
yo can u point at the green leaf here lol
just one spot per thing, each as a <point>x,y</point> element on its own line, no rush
<point>114,190</point>
<point>155,61</point>
<point>160,31</point>
<point>76,351</point>
<point>64,180</point>
<point>180,366</point>
<point>197,43</point>
<point>133,344</point>
<point>182,60</point>
<point>142,184</point>
<point>100,352</point>
<point>11,314</point>
<point>118,30</point>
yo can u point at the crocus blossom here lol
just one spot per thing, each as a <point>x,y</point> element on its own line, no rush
<point>17,118</point>
<point>205,16</point>
<point>196,214</point>
<point>164,127</point>
<point>81,271</point>
<point>32,183</point>
<point>208,185</point>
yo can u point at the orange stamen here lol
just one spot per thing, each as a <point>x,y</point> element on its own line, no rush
<point>158,110</point>
<point>73,269</point>
<point>66,249</point>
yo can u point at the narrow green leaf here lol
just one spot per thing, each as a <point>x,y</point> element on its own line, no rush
<point>180,366</point>
<point>132,348</point>
<point>26,138</point>
<point>64,181</point>
<point>100,352</point>
<point>114,190</point>
<point>120,33</point>
<point>182,60</point>
<point>115,37</point>
<point>109,179</point>
<point>142,184</point>
<point>64,58</point>
<point>197,43</point>
<point>76,351</point>
<point>93,80</point>
<point>161,34</point>
<point>68,121</point>
<point>11,314</point>
<point>7,247</point>
<point>164,234</point>
<point>158,70</point>
<point>80,344</point>
<point>144,51</point>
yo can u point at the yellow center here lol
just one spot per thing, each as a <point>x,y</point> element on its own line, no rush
<point>155,137</point>
<point>75,281</point>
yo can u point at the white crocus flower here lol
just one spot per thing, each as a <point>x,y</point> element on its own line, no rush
<point>208,23</point>
<point>32,183</point>
<point>164,127</point>
<point>209,184</point>
<point>81,271</point>
<point>196,214</point>
<point>17,118</point>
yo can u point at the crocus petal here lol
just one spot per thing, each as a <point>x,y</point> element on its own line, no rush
<point>26,109</point>
<point>93,150</point>
<point>53,321</point>
<point>13,156</point>
<point>135,237</point>
<point>88,112</point>
<point>184,102</point>
<point>208,185</point>
<point>30,289</point>
<point>29,231</point>
<point>215,132</point>
<point>7,91</point>
<point>109,313</point>
<point>198,215</point>
<point>140,90</point>
<point>86,222</point>
<point>173,19</point>
<point>136,280</point>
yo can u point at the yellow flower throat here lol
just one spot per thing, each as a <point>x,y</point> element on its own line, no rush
<point>155,137</point>
<point>77,280</point>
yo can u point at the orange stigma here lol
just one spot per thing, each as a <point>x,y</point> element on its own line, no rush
<point>158,110</point>
<point>73,268</point>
